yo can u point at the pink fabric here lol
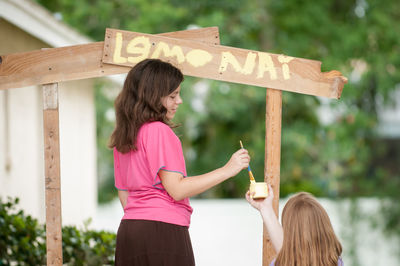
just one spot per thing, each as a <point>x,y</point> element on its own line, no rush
<point>137,172</point>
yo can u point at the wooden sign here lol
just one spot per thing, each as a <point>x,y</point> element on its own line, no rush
<point>74,62</point>
<point>224,63</point>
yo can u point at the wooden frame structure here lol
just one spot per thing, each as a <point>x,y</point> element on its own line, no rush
<point>197,53</point>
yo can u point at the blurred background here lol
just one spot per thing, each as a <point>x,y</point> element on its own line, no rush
<point>346,152</point>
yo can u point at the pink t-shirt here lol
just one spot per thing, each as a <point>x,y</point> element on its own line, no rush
<point>137,172</point>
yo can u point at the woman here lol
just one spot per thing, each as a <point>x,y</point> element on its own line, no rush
<point>150,171</point>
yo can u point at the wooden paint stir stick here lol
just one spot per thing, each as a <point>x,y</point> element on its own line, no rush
<point>252,180</point>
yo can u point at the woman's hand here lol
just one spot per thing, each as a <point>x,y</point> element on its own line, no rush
<point>262,204</point>
<point>238,161</point>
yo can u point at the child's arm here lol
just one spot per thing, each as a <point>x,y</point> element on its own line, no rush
<point>270,220</point>
<point>180,188</point>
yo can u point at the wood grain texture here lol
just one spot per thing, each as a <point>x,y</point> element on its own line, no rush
<point>273,127</point>
<point>74,62</point>
<point>52,174</point>
<point>225,63</point>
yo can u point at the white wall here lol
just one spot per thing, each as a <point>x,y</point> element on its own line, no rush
<point>77,151</point>
<point>24,178</point>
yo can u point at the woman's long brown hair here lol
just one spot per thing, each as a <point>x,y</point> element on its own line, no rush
<point>139,101</point>
<point>308,236</point>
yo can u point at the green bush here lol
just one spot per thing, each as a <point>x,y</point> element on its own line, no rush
<point>23,241</point>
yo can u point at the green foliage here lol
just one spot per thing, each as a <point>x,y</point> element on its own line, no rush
<point>87,247</point>
<point>92,17</point>
<point>104,96</point>
<point>23,241</point>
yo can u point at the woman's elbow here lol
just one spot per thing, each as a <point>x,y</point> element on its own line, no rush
<point>178,196</point>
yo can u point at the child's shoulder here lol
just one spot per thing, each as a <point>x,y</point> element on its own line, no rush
<point>157,131</point>
<point>154,127</point>
<point>155,124</point>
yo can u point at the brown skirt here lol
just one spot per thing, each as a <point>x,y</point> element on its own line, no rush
<point>148,243</point>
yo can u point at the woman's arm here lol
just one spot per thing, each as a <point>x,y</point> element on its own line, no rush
<point>180,188</point>
<point>270,220</point>
<point>123,197</point>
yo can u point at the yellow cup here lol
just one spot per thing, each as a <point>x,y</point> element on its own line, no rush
<point>260,190</point>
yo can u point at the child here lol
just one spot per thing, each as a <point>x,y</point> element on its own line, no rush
<point>306,237</point>
<point>150,172</point>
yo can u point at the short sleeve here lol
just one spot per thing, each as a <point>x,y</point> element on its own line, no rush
<point>120,181</point>
<point>164,151</point>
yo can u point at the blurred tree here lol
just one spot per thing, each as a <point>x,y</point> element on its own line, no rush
<point>360,39</point>
<point>105,121</point>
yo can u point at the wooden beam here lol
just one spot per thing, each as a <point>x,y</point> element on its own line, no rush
<point>224,63</point>
<point>273,126</point>
<point>74,62</point>
<point>199,59</point>
<point>52,174</point>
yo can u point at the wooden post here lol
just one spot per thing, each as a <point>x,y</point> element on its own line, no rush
<point>273,126</point>
<point>52,174</point>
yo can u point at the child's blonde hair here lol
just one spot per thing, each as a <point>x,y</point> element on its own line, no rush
<point>308,236</point>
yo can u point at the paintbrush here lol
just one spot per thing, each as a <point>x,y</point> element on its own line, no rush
<point>252,180</point>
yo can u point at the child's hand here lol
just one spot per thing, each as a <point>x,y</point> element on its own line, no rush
<point>238,161</point>
<point>262,204</point>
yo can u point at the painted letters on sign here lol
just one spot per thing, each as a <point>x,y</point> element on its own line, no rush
<point>206,60</point>
<point>140,47</point>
